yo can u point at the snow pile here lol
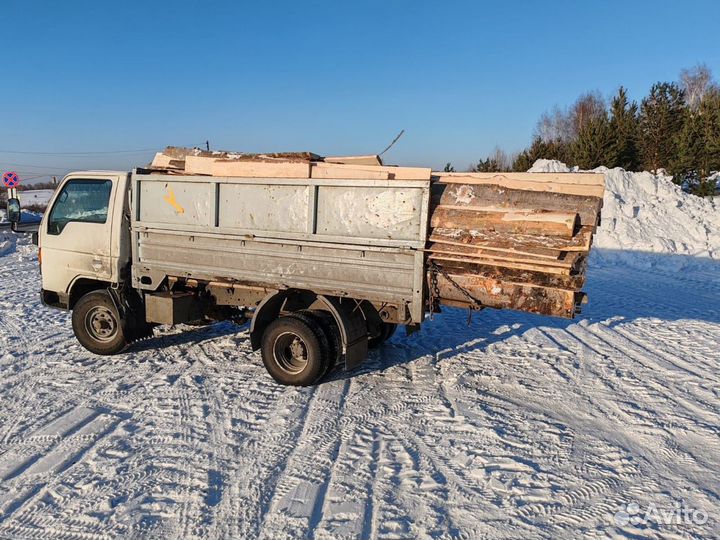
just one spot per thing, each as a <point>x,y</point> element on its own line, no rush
<point>645,212</point>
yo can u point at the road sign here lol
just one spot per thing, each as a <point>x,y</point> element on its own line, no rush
<point>11,179</point>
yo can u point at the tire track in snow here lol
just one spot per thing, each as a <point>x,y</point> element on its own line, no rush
<point>296,506</point>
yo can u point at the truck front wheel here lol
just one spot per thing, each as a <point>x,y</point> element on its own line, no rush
<point>294,351</point>
<point>97,324</point>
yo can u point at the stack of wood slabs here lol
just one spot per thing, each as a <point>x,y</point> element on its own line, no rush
<point>512,240</point>
<point>190,161</point>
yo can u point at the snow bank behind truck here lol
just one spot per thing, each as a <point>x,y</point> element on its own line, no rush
<point>325,256</point>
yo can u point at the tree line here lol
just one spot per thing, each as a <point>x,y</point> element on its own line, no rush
<point>675,127</point>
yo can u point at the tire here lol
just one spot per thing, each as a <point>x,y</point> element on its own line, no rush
<point>387,331</point>
<point>97,324</point>
<point>330,330</point>
<point>295,350</point>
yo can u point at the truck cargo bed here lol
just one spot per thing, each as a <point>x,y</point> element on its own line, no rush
<point>358,238</point>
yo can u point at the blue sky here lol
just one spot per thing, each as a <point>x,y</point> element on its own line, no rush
<point>330,77</point>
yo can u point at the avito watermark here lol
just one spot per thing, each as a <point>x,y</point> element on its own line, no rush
<point>677,514</point>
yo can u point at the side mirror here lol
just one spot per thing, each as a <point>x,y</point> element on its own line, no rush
<point>13,210</point>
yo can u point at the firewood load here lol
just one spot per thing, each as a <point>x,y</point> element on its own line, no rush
<point>502,240</point>
<point>512,240</point>
<point>184,161</point>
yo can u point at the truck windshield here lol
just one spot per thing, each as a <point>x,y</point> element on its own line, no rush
<point>80,200</point>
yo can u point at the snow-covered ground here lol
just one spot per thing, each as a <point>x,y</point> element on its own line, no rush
<point>516,426</point>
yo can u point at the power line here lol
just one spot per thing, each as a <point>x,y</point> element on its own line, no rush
<point>89,153</point>
<point>5,164</point>
<point>93,152</point>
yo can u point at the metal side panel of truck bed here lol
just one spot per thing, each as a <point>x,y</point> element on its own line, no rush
<point>343,237</point>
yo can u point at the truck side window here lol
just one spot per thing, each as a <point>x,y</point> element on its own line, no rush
<point>80,200</point>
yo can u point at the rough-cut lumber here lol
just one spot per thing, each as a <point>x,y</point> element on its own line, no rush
<point>355,160</point>
<point>533,222</point>
<point>514,275</point>
<point>162,161</point>
<point>566,260</point>
<point>580,242</point>
<point>395,173</point>
<point>582,179</point>
<point>492,197</point>
<point>198,165</point>
<point>538,252</point>
<point>504,264</point>
<point>258,169</point>
<point>176,156</point>
<point>504,295</point>
<point>346,171</point>
<point>543,182</point>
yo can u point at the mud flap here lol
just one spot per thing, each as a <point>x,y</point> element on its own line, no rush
<point>353,329</point>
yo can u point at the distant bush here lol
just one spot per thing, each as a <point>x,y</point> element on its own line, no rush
<point>36,186</point>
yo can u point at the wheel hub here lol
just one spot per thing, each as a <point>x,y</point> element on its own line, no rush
<point>290,353</point>
<point>101,324</point>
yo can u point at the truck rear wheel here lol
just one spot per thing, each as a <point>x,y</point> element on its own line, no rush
<point>295,351</point>
<point>330,330</point>
<point>97,324</point>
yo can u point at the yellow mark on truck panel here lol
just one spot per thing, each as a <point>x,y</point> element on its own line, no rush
<point>170,199</point>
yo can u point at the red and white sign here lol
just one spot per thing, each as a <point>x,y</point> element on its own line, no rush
<point>11,179</point>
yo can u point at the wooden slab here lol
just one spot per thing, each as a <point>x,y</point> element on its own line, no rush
<point>355,160</point>
<point>504,295</point>
<point>545,253</point>
<point>325,170</point>
<point>532,222</point>
<point>489,197</point>
<point>579,179</point>
<point>514,275</point>
<point>257,169</point>
<point>535,183</point>
<point>502,264</point>
<point>199,165</point>
<point>568,259</point>
<point>162,161</point>
<point>395,173</point>
<point>581,241</point>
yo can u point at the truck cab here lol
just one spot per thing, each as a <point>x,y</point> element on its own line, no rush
<point>84,236</point>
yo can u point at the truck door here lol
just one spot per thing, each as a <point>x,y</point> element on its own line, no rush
<point>76,240</point>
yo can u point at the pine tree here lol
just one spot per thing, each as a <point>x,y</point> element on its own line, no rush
<point>488,164</point>
<point>710,114</point>
<point>686,166</point>
<point>540,149</point>
<point>624,125</point>
<point>522,161</point>
<point>698,142</point>
<point>595,144</point>
<point>661,119</point>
